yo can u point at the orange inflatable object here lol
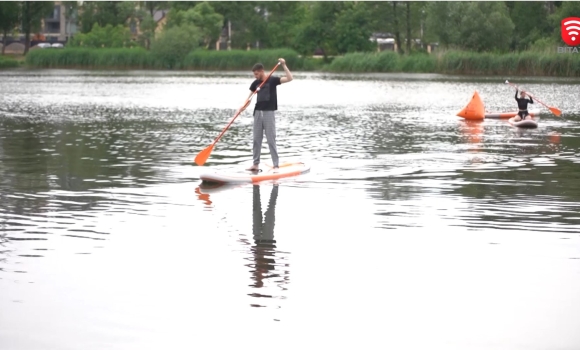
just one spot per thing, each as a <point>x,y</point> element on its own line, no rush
<point>475,110</point>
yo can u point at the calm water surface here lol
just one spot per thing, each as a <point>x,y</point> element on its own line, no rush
<point>413,230</point>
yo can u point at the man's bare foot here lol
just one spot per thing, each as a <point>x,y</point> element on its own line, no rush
<point>253,168</point>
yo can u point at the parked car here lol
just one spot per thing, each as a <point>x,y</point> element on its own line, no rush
<point>49,45</point>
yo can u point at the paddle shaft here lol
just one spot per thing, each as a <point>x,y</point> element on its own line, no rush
<point>245,105</point>
<point>534,97</point>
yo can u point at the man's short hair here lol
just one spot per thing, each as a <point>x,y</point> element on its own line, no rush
<point>257,67</point>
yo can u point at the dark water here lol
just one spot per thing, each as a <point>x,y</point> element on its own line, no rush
<point>413,230</point>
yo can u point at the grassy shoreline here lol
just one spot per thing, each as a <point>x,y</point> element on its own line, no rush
<point>8,62</point>
<point>450,62</point>
<point>138,58</point>
<point>462,63</point>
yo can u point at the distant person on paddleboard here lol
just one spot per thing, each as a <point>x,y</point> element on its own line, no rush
<point>523,106</point>
<point>264,112</point>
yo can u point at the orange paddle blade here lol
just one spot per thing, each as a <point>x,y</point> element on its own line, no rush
<point>556,111</point>
<point>202,156</point>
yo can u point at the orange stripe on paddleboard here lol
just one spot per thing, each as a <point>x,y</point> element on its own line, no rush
<point>258,178</point>
<point>284,165</point>
<point>301,168</point>
<point>507,115</point>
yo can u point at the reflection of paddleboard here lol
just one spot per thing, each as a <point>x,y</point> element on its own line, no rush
<point>244,176</point>
<point>528,123</point>
<point>204,197</point>
<point>208,188</point>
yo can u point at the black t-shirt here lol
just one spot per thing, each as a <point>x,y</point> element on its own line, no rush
<point>267,99</point>
<point>522,102</point>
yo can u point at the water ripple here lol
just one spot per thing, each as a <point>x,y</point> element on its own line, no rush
<point>101,201</point>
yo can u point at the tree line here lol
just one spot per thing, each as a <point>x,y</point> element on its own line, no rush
<point>25,16</point>
<point>334,28</point>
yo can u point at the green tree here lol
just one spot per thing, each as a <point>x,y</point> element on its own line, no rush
<point>106,12</point>
<point>181,5</point>
<point>566,9</point>
<point>9,19</point>
<point>404,18</point>
<point>174,43</point>
<point>381,16</point>
<point>210,23</point>
<point>152,6</point>
<point>283,21</point>
<point>408,25</point>
<point>144,15</point>
<point>486,26</point>
<point>531,22</point>
<point>147,25</point>
<point>202,16</point>
<point>396,27</point>
<point>249,23</point>
<point>352,29</point>
<point>32,12</point>
<point>443,21</point>
<point>104,37</point>
<point>317,31</point>
<point>247,19</point>
<point>413,20</point>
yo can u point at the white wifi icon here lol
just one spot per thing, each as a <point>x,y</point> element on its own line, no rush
<point>570,31</point>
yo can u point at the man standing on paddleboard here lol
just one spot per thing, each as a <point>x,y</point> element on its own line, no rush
<point>264,112</point>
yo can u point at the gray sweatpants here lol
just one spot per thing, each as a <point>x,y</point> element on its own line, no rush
<point>265,123</point>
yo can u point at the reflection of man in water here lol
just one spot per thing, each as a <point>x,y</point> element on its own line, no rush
<point>263,232</point>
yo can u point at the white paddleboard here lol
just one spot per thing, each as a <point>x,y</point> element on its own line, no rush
<point>245,176</point>
<point>528,123</point>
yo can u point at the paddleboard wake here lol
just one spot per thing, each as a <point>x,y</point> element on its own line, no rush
<point>245,176</point>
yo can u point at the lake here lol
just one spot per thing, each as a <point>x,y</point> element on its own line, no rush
<point>414,229</point>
